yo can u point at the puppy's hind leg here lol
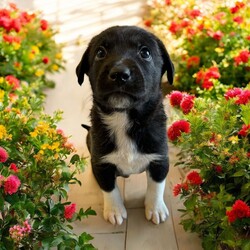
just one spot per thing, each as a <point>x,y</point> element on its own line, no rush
<point>155,207</point>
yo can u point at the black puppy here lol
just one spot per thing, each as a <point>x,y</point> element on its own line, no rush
<point>125,65</point>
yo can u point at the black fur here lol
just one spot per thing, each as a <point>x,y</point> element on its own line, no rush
<point>124,72</point>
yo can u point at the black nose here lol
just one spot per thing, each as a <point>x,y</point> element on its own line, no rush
<point>120,73</point>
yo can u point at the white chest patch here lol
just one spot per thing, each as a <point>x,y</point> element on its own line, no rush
<point>126,156</point>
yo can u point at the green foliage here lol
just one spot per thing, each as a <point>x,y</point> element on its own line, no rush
<point>217,147</point>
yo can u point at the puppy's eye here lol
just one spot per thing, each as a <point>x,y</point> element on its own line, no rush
<point>145,53</point>
<point>101,53</point>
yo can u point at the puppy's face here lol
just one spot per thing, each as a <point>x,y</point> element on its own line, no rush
<point>125,65</point>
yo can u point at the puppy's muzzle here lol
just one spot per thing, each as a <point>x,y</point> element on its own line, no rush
<point>120,74</point>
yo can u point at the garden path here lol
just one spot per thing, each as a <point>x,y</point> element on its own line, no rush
<point>77,21</point>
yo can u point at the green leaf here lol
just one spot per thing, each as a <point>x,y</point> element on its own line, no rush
<point>75,158</point>
<point>240,173</point>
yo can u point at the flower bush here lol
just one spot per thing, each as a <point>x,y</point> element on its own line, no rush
<point>213,137</point>
<point>208,41</point>
<point>27,45</point>
<point>37,160</point>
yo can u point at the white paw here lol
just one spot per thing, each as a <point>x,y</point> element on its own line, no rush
<point>157,212</point>
<point>114,210</point>
<point>115,215</point>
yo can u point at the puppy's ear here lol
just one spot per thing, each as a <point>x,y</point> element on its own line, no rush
<point>167,63</point>
<point>83,67</point>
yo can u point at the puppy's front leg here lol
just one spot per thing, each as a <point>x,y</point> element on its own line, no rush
<point>155,208</point>
<point>114,210</point>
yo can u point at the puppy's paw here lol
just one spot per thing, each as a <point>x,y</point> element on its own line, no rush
<point>156,211</point>
<point>115,214</point>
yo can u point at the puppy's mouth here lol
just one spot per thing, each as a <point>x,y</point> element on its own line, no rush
<point>120,100</point>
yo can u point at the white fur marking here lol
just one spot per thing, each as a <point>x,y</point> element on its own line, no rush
<point>155,208</point>
<point>126,157</point>
<point>114,210</point>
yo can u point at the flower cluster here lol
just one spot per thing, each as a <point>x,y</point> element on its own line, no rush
<point>177,128</point>
<point>240,96</point>
<point>215,192</point>
<point>183,101</point>
<point>31,145</point>
<point>204,37</point>
<point>239,210</point>
<point>18,232</point>
<point>28,49</point>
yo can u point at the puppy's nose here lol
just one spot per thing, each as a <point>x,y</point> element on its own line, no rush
<point>120,73</point>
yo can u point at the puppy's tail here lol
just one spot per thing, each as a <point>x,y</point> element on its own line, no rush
<point>85,126</point>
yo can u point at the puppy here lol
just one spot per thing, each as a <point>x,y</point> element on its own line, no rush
<point>125,65</point>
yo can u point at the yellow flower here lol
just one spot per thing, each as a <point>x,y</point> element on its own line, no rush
<point>31,56</point>
<point>219,50</point>
<point>55,67</point>
<point>1,95</point>
<point>39,72</point>
<point>58,55</point>
<point>233,139</point>
<point>1,79</point>
<point>34,134</point>
<point>16,46</point>
<point>3,132</point>
<point>35,50</point>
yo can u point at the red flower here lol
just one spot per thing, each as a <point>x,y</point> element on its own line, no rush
<point>244,97</point>
<point>243,57</point>
<point>12,81</point>
<point>239,210</point>
<point>193,61</point>
<point>13,167</point>
<point>69,211</point>
<point>148,22</point>
<point>231,93</point>
<point>218,169</point>
<point>238,19</point>
<point>11,39</point>
<point>174,27</point>
<point>194,13</point>
<point>180,187</point>
<point>45,60</point>
<point>175,98</point>
<point>168,2</point>
<point>187,103</point>
<point>11,184</point>
<point>44,24</point>
<point>244,130</point>
<point>194,178</point>
<point>3,155</point>
<point>204,77</point>
<point>237,7</point>
<point>175,130</point>
<point>217,35</point>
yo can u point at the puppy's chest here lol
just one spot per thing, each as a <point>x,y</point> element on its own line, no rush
<point>126,156</point>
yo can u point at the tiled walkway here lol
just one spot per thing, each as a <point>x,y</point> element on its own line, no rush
<point>80,20</point>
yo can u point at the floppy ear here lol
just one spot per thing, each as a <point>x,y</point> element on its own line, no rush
<point>167,63</point>
<point>83,67</point>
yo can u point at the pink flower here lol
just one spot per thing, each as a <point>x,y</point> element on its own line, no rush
<point>194,178</point>
<point>12,184</point>
<point>244,97</point>
<point>175,98</point>
<point>3,155</point>
<point>231,93</point>
<point>178,127</point>
<point>187,103</point>
<point>69,211</point>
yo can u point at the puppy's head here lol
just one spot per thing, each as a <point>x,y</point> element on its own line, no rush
<point>125,65</point>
